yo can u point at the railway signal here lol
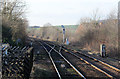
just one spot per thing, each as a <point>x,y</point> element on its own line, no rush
<point>63,33</point>
<point>103,50</point>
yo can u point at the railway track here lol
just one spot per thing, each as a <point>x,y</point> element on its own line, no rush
<point>108,70</point>
<point>113,71</point>
<point>62,66</point>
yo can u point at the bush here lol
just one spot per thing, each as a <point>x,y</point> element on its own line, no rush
<point>13,23</point>
<point>92,34</point>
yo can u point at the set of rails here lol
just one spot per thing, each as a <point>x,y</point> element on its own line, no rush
<point>108,70</point>
<point>61,72</point>
<point>17,62</point>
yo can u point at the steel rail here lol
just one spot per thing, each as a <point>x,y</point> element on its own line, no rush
<point>68,62</point>
<point>110,66</point>
<point>115,68</point>
<point>52,61</point>
<point>90,64</point>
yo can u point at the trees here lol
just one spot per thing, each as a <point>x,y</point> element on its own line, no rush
<point>92,32</point>
<point>14,22</point>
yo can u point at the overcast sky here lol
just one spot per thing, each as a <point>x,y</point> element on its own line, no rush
<point>66,12</point>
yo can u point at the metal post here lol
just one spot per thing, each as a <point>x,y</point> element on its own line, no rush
<point>57,35</point>
<point>63,33</point>
<point>63,38</point>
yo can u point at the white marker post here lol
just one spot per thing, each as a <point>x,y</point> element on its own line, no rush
<point>63,33</point>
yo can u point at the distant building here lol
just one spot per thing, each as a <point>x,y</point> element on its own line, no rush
<point>35,26</point>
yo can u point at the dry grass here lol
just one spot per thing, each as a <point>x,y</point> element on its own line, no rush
<point>91,35</point>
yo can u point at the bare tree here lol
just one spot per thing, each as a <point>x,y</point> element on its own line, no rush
<point>13,19</point>
<point>91,33</point>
